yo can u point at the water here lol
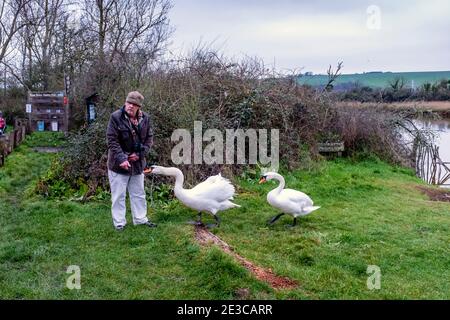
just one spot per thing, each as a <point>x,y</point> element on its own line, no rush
<point>441,130</point>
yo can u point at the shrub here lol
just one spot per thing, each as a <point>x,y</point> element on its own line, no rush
<point>225,94</point>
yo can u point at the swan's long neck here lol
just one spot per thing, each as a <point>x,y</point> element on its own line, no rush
<point>179,178</point>
<point>280,187</point>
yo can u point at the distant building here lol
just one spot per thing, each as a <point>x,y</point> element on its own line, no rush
<point>48,111</point>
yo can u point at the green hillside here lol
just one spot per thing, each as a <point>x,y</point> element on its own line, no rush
<point>378,79</point>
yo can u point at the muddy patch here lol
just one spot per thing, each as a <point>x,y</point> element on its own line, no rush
<point>435,194</point>
<point>47,149</point>
<point>204,237</point>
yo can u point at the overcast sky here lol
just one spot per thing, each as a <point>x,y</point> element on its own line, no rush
<point>410,35</point>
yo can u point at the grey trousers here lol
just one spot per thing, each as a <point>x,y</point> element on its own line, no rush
<point>119,184</point>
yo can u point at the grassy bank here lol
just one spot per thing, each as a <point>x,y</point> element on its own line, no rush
<point>379,79</point>
<point>442,107</point>
<point>371,214</point>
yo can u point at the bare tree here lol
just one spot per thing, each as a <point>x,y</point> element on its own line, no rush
<point>397,84</point>
<point>124,27</point>
<point>43,36</point>
<point>97,19</point>
<point>127,37</point>
<point>332,76</point>
<point>11,22</point>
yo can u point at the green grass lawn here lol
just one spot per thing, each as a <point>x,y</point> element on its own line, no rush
<point>371,214</point>
<point>379,80</point>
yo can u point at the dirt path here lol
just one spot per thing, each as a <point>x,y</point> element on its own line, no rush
<point>204,237</point>
<point>47,149</point>
<point>436,194</point>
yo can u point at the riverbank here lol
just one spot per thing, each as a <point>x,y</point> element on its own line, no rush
<point>442,107</point>
<point>371,214</point>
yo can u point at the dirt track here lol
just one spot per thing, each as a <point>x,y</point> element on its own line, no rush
<point>204,237</point>
<point>437,106</point>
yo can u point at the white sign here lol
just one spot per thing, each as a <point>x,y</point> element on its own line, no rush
<point>91,112</point>
<point>28,107</point>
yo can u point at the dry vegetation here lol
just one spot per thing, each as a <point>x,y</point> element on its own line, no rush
<point>226,94</point>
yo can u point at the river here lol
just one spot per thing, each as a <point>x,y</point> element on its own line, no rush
<point>441,129</point>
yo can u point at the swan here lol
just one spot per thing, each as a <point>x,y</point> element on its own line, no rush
<point>289,201</point>
<point>212,195</point>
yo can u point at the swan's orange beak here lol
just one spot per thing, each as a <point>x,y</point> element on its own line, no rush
<point>262,180</point>
<point>148,170</point>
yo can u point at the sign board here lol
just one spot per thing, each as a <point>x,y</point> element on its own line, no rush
<point>54,125</point>
<point>47,94</point>
<point>331,147</point>
<point>92,114</point>
<point>48,107</point>
<point>40,125</point>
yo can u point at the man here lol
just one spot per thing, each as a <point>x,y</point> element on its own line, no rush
<point>129,138</point>
<point>2,124</point>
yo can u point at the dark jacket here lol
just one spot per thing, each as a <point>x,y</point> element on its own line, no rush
<point>121,142</point>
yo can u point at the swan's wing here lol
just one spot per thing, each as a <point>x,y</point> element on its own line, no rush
<point>296,197</point>
<point>215,188</point>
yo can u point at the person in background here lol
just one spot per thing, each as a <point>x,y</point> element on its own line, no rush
<point>129,138</point>
<point>2,124</point>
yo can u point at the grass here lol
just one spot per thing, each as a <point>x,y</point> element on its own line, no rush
<point>46,139</point>
<point>379,80</point>
<point>371,214</point>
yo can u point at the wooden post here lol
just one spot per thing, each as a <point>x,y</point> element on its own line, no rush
<point>2,150</point>
<point>15,138</point>
<point>11,142</point>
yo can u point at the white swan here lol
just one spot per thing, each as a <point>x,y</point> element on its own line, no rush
<point>212,195</point>
<point>292,202</point>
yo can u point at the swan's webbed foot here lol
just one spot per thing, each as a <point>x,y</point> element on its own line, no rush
<point>293,224</point>
<point>195,223</point>
<point>198,222</point>
<point>272,221</point>
<point>213,225</point>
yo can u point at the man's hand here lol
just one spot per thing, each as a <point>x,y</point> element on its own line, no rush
<point>133,157</point>
<point>125,165</point>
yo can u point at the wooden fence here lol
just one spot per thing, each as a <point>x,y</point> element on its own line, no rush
<point>9,141</point>
<point>430,167</point>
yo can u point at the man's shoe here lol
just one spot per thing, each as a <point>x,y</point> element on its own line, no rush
<point>120,228</point>
<point>150,224</point>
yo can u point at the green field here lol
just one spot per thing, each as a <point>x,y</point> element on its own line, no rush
<point>371,214</point>
<point>379,80</point>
